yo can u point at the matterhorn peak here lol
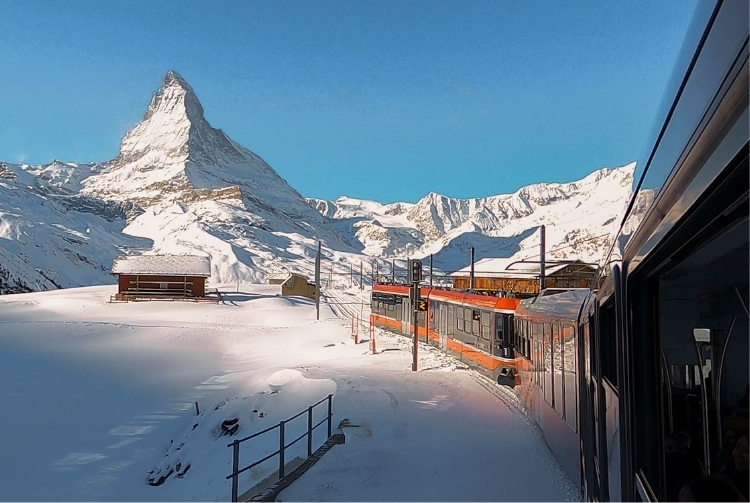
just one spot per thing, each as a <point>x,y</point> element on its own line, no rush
<point>175,97</point>
<point>173,155</point>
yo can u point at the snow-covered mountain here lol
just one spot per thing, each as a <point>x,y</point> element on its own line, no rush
<point>180,186</point>
<point>580,219</point>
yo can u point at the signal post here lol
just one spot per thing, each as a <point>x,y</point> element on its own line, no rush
<point>415,276</point>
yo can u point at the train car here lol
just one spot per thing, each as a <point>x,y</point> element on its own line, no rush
<point>477,329</point>
<point>662,340</point>
<point>650,367</point>
<point>547,340</point>
<point>670,319</point>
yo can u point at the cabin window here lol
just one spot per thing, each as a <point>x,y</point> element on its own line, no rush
<point>163,286</point>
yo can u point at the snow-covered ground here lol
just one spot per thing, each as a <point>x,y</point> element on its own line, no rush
<point>98,397</point>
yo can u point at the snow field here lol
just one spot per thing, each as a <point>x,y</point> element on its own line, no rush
<point>97,397</point>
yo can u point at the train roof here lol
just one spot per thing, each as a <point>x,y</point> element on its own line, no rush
<point>561,305</point>
<point>472,299</point>
<point>704,90</point>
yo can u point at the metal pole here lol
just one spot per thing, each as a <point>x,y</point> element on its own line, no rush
<point>377,273</point>
<point>704,407</point>
<point>351,275</point>
<point>235,469</point>
<point>309,431</point>
<point>430,270</point>
<point>415,296</point>
<point>717,393</point>
<point>471,272</point>
<point>361,285</point>
<point>393,271</point>
<point>317,284</point>
<point>281,450</point>
<point>330,414</point>
<point>427,322</point>
<point>541,263</point>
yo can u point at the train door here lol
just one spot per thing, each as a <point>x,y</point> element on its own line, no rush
<point>405,314</point>
<point>589,480</point>
<point>593,434</point>
<point>503,343</point>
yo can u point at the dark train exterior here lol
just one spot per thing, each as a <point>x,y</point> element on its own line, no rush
<point>658,350</point>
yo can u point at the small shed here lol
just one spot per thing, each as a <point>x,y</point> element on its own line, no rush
<point>294,284</point>
<point>175,276</point>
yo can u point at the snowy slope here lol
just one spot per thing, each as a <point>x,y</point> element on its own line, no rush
<point>581,219</point>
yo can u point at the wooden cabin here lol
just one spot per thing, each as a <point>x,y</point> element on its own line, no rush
<point>503,275</point>
<point>294,284</point>
<point>161,276</point>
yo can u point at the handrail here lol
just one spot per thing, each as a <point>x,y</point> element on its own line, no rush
<point>236,470</point>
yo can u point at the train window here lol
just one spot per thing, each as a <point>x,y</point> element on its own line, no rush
<point>526,329</point>
<point>608,342</point>
<point>547,365</point>
<point>569,359</point>
<point>486,330</point>
<point>537,334</point>
<point>557,378</point>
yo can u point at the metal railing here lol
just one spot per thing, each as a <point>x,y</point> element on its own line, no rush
<point>236,470</point>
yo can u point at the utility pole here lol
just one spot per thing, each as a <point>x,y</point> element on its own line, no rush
<point>351,275</point>
<point>414,276</point>
<point>430,270</point>
<point>361,284</point>
<point>471,273</point>
<point>393,271</point>
<point>415,310</point>
<point>541,263</point>
<point>317,284</point>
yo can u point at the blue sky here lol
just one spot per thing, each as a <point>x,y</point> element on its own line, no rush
<point>375,99</point>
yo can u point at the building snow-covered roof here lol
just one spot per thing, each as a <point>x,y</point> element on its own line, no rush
<point>506,268</point>
<point>171,265</point>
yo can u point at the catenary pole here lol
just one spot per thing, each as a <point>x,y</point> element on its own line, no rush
<point>317,284</point>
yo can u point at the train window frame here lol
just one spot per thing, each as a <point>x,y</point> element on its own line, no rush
<point>571,413</point>
<point>537,335</point>
<point>485,329</point>
<point>547,362</point>
<point>558,365</point>
<point>608,341</point>
<point>450,324</point>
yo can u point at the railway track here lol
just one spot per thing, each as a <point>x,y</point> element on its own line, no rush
<point>345,306</point>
